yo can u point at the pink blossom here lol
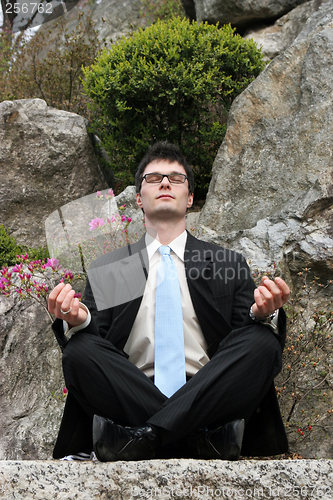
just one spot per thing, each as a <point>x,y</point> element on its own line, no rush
<point>95,223</point>
<point>123,218</point>
<point>99,195</point>
<point>68,275</point>
<point>129,219</point>
<point>110,194</point>
<point>3,283</point>
<point>65,391</point>
<point>18,268</point>
<point>77,295</point>
<point>54,263</point>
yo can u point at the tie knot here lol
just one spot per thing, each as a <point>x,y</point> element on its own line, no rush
<point>164,250</point>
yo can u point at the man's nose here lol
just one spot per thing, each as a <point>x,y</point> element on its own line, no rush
<point>165,183</point>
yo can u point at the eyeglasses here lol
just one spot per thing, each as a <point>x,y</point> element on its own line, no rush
<point>158,178</point>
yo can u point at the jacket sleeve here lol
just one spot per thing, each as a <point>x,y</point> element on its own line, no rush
<point>244,298</point>
<point>99,324</point>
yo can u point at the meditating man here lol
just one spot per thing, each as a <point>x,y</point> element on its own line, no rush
<point>173,351</point>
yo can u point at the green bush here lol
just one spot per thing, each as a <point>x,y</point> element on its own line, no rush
<point>174,80</point>
<point>9,249</point>
<point>161,9</point>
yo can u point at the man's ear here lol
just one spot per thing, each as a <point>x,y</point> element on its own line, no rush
<point>190,200</point>
<point>138,200</point>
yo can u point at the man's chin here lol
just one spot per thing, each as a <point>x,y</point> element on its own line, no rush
<point>168,212</point>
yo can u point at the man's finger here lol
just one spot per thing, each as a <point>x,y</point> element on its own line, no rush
<point>62,295</point>
<point>267,296</point>
<point>284,289</point>
<point>53,296</point>
<point>67,302</point>
<point>276,291</point>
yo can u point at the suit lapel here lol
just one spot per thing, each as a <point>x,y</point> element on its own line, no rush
<point>199,274</point>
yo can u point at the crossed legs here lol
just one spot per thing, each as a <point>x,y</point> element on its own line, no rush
<point>230,386</point>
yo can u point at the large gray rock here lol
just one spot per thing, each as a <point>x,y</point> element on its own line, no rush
<point>272,188</point>
<point>271,198</point>
<point>242,12</point>
<point>165,479</point>
<point>30,371</point>
<point>275,39</point>
<point>46,160</point>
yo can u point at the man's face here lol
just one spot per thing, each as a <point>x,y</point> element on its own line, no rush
<point>164,200</point>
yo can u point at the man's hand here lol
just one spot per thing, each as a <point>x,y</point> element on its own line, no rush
<point>62,299</point>
<point>269,296</point>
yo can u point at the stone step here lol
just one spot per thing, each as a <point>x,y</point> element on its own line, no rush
<point>167,479</point>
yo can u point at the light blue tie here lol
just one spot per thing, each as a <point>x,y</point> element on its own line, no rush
<point>169,332</point>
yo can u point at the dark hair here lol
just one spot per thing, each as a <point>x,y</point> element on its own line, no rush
<point>164,150</point>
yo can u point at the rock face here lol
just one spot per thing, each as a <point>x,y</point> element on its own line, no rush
<point>113,19</point>
<point>275,39</point>
<point>30,371</point>
<point>271,199</point>
<point>242,12</point>
<point>46,160</point>
<point>181,479</point>
<point>271,193</point>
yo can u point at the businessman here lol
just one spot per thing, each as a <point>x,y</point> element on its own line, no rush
<point>173,351</point>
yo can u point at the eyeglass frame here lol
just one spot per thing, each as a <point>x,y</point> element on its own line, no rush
<point>163,175</point>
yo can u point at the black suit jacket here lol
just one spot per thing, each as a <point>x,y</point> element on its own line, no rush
<point>221,289</point>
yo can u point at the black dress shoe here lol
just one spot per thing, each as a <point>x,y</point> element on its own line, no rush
<point>113,442</point>
<point>223,443</point>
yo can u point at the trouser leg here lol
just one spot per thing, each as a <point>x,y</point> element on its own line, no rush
<point>105,383</point>
<point>231,385</point>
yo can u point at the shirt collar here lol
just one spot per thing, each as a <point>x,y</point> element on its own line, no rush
<point>177,245</point>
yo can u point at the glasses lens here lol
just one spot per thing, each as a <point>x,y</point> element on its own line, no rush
<point>177,178</point>
<point>153,177</point>
<point>173,178</point>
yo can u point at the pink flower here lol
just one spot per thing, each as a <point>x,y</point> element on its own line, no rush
<point>123,218</point>
<point>129,220</point>
<point>68,275</point>
<point>17,268</point>
<point>99,195</point>
<point>65,391</point>
<point>95,223</point>
<point>3,283</point>
<point>54,263</point>
<point>110,194</point>
<point>77,295</point>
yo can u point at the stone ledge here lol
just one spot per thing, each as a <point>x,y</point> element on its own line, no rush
<point>167,479</point>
